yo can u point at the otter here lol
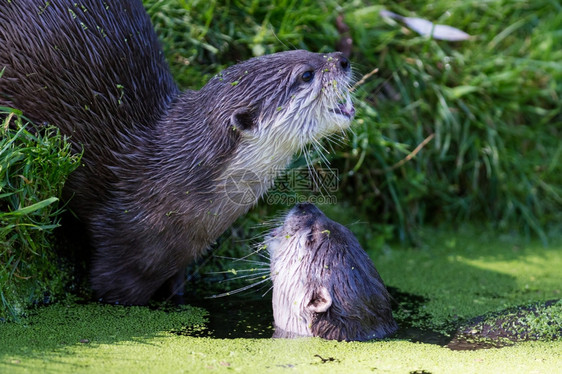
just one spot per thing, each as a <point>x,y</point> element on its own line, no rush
<point>163,172</point>
<point>324,283</point>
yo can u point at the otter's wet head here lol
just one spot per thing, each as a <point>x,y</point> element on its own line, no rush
<point>283,101</point>
<point>324,283</point>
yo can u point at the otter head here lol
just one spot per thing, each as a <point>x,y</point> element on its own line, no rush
<point>324,283</point>
<point>279,103</point>
<point>257,114</point>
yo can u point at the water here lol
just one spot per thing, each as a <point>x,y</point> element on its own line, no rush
<point>235,317</point>
<point>250,317</point>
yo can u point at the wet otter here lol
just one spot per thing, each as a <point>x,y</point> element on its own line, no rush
<point>164,173</point>
<point>324,283</point>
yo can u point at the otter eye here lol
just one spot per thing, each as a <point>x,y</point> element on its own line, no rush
<point>310,238</point>
<point>307,75</point>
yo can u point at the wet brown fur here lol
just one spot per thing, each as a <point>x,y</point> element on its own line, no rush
<point>153,159</point>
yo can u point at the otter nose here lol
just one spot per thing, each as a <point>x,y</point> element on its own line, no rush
<point>307,208</point>
<point>303,206</point>
<point>344,63</point>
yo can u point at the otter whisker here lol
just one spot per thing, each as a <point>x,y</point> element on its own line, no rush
<point>329,142</point>
<point>238,290</point>
<point>312,171</point>
<point>316,180</point>
<point>319,147</point>
<point>260,252</point>
<point>266,292</point>
<point>234,271</point>
<point>338,138</point>
<point>251,277</point>
<point>271,222</point>
<point>325,164</point>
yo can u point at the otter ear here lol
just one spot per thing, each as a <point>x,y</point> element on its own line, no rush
<point>244,119</point>
<point>321,301</point>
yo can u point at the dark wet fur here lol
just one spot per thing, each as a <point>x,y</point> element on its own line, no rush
<point>151,155</point>
<point>361,305</point>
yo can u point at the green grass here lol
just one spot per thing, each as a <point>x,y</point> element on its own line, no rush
<point>200,38</point>
<point>33,168</point>
<point>492,104</point>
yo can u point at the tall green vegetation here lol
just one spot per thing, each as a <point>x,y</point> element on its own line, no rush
<point>493,105</point>
<point>33,168</point>
<point>485,113</point>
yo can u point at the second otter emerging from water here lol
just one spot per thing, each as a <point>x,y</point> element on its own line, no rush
<point>324,283</point>
<point>164,173</point>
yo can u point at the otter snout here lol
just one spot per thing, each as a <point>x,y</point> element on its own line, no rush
<point>344,63</point>
<point>305,208</point>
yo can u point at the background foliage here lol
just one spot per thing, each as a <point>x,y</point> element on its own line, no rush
<point>489,107</point>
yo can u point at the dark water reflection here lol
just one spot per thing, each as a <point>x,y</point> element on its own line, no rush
<point>234,317</point>
<point>246,317</point>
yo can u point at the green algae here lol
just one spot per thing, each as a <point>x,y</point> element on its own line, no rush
<point>167,353</point>
<point>91,338</point>
<point>472,273</point>
<point>61,326</point>
<point>538,321</point>
<point>71,337</point>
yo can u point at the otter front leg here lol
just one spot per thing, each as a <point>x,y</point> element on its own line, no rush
<point>132,261</point>
<point>173,288</point>
<point>125,281</point>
